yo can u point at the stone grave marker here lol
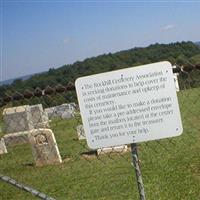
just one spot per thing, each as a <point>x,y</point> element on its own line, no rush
<point>64,111</point>
<point>44,147</point>
<point>19,138</point>
<point>3,148</point>
<point>39,116</point>
<point>80,132</point>
<point>115,149</point>
<point>67,115</point>
<point>17,119</point>
<point>50,112</point>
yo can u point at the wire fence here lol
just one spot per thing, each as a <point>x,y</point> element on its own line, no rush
<point>43,145</point>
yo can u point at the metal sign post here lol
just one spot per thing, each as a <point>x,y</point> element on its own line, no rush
<point>137,171</point>
<point>136,102</point>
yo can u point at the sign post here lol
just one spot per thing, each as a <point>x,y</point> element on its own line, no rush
<point>137,171</point>
<point>129,106</point>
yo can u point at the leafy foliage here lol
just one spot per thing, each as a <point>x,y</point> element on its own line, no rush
<point>180,53</point>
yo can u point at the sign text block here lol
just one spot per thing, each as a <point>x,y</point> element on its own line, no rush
<point>129,106</point>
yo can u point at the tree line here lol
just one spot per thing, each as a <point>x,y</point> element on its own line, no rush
<point>179,53</point>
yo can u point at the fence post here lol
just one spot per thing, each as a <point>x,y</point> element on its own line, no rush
<point>137,171</point>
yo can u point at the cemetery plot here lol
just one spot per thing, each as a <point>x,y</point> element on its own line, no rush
<point>170,167</point>
<point>26,125</point>
<point>111,175</point>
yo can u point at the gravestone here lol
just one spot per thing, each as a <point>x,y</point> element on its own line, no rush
<point>176,80</point>
<point>19,138</point>
<point>50,112</point>
<point>39,116</point>
<point>80,132</point>
<point>64,111</point>
<point>17,119</point>
<point>45,115</point>
<point>116,149</point>
<point>2,147</point>
<point>73,106</point>
<point>44,147</point>
<point>67,115</point>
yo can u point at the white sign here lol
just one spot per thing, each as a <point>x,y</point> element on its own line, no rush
<point>129,106</point>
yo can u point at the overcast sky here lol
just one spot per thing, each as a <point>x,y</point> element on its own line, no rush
<point>38,35</point>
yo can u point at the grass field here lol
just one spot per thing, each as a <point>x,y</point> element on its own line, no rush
<point>170,168</point>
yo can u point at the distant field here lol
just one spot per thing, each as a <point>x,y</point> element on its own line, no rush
<point>170,168</point>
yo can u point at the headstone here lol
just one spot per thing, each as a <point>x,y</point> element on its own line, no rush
<point>19,138</point>
<point>45,115</point>
<point>73,105</point>
<point>176,80</point>
<point>53,112</point>
<point>17,119</point>
<point>116,149</point>
<point>39,117</point>
<point>50,112</point>
<point>3,149</point>
<point>64,111</point>
<point>63,107</point>
<point>44,147</point>
<point>80,132</point>
<point>67,115</point>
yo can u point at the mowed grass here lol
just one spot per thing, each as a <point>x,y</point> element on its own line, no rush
<point>170,168</point>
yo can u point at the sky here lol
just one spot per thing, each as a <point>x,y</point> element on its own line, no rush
<point>38,35</point>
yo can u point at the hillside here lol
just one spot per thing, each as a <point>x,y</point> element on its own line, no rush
<point>170,168</point>
<point>182,53</point>
<point>198,43</point>
<point>10,81</point>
